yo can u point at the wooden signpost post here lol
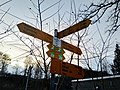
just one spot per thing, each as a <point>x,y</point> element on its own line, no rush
<point>57,64</point>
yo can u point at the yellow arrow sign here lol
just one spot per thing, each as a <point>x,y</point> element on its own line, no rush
<point>27,29</point>
<point>72,29</point>
<point>66,69</point>
<point>36,33</point>
<point>71,70</point>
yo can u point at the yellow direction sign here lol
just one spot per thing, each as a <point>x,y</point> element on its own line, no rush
<point>27,29</point>
<point>71,70</point>
<point>70,47</point>
<point>36,33</point>
<point>72,29</point>
<point>66,69</point>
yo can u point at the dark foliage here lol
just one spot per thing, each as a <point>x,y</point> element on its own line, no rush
<point>116,65</point>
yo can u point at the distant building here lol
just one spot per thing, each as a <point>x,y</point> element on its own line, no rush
<point>98,83</point>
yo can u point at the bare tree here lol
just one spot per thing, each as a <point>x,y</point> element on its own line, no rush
<point>16,68</point>
<point>37,47</point>
<point>97,11</point>
<point>5,3</point>
<point>108,11</point>
<point>38,73</point>
<point>4,60</point>
<point>2,15</point>
<point>28,63</point>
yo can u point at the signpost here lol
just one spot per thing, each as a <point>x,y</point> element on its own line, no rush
<point>72,29</point>
<point>56,47</point>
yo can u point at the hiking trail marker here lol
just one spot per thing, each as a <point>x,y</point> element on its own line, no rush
<point>55,52</point>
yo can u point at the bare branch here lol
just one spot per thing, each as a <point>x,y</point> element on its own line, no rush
<point>5,3</point>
